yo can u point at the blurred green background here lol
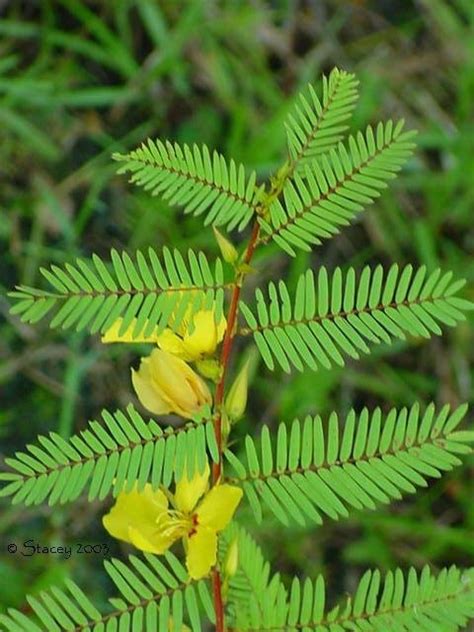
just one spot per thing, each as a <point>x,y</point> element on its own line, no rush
<point>79,80</point>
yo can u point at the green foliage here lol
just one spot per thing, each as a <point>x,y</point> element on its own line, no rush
<point>151,595</point>
<point>316,126</point>
<point>309,470</point>
<point>408,602</point>
<point>329,318</point>
<point>49,611</point>
<point>369,458</point>
<point>195,180</point>
<point>403,603</point>
<point>252,576</point>
<point>127,451</point>
<point>157,294</point>
<point>332,189</point>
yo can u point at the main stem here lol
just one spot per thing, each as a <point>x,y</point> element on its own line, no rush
<point>219,398</point>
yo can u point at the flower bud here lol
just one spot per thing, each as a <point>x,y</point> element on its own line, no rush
<point>171,626</point>
<point>165,384</point>
<point>225,426</point>
<point>232,558</point>
<point>236,400</point>
<point>210,368</point>
<point>228,250</point>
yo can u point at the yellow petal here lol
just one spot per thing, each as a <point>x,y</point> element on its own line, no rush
<point>203,339</point>
<point>188,492</point>
<point>202,549</point>
<point>206,334</point>
<point>178,383</point>
<point>172,343</point>
<point>112,334</point>
<point>151,397</point>
<point>150,540</point>
<point>165,383</point>
<point>136,510</point>
<point>218,506</point>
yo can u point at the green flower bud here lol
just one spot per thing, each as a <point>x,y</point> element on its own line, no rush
<point>210,368</point>
<point>225,426</point>
<point>232,558</point>
<point>236,401</point>
<point>229,253</point>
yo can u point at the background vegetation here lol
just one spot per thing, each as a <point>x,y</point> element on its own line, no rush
<point>79,80</point>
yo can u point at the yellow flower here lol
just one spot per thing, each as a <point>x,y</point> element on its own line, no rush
<point>187,343</point>
<point>192,344</point>
<point>145,519</point>
<point>165,384</point>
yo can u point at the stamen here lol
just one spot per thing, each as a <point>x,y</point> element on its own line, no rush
<point>195,523</point>
<point>173,524</point>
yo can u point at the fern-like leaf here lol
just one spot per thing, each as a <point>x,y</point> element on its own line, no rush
<point>315,125</point>
<point>123,452</point>
<point>153,595</point>
<point>322,469</point>
<point>331,318</point>
<point>415,602</point>
<point>195,180</point>
<point>334,188</point>
<point>157,293</point>
<point>252,575</point>
<point>55,609</point>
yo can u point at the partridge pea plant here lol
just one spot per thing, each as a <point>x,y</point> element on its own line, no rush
<point>176,489</point>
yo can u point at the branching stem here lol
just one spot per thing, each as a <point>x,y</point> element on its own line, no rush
<point>219,398</point>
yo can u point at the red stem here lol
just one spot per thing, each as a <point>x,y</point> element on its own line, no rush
<point>226,350</point>
<point>219,398</point>
<point>218,604</point>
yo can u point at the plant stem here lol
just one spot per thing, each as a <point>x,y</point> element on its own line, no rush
<point>227,348</point>
<point>219,398</point>
<point>218,604</point>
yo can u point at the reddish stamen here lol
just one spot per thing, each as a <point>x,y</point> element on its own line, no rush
<point>195,524</point>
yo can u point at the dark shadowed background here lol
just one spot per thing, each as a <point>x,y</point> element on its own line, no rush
<point>80,80</point>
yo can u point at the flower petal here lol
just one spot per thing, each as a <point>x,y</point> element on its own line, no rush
<point>205,336</point>
<point>178,383</point>
<point>203,339</point>
<point>188,492</point>
<point>150,396</point>
<point>171,375</point>
<point>135,509</point>
<point>150,540</point>
<point>202,550</point>
<point>170,342</point>
<point>165,383</point>
<point>112,334</point>
<point>218,506</point>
